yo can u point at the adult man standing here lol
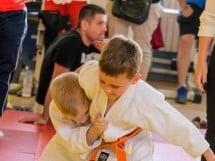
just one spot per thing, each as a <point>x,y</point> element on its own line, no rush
<point>188,19</point>
<point>142,33</point>
<point>13,26</point>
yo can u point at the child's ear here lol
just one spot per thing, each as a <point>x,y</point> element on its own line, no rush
<point>136,78</point>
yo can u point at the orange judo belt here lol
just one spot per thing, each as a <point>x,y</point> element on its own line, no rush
<point>117,146</point>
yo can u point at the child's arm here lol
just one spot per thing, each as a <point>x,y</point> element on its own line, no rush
<point>209,155</point>
<point>96,130</point>
<point>70,132</point>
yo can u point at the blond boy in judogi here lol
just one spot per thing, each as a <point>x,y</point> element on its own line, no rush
<point>69,113</point>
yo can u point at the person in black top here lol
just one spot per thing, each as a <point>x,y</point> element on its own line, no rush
<point>68,51</point>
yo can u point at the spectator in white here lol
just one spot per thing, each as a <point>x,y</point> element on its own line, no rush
<point>204,74</point>
<point>142,33</point>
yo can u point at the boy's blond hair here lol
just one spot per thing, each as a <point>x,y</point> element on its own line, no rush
<point>121,55</point>
<point>67,93</point>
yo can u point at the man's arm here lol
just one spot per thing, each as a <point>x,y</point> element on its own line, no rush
<point>206,36</point>
<point>44,117</point>
<point>201,65</point>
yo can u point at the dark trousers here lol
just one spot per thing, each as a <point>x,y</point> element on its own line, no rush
<point>210,133</point>
<point>13,26</point>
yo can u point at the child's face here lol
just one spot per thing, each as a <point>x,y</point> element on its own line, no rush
<point>83,115</point>
<point>115,86</point>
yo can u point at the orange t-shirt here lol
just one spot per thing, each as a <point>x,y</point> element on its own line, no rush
<point>69,9</point>
<point>10,5</point>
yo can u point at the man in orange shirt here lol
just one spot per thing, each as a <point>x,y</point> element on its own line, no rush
<point>69,8</point>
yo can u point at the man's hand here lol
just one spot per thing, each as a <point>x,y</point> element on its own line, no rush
<point>36,119</point>
<point>187,11</point>
<point>99,44</point>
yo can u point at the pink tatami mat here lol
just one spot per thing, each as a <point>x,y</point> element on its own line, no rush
<point>18,145</point>
<point>168,152</point>
<point>25,142</point>
<point>164,151</point>
<point>15,156</point>
<point>22,141</point>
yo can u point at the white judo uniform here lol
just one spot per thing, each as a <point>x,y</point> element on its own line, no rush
<point>69,143</point>
<point>140,106</point>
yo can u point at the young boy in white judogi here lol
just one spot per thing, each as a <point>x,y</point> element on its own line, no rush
<point>69,111</point>
<point>119,95</point>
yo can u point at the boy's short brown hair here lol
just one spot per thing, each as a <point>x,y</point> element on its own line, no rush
<point>67,93</point>
<point>121,55</point>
